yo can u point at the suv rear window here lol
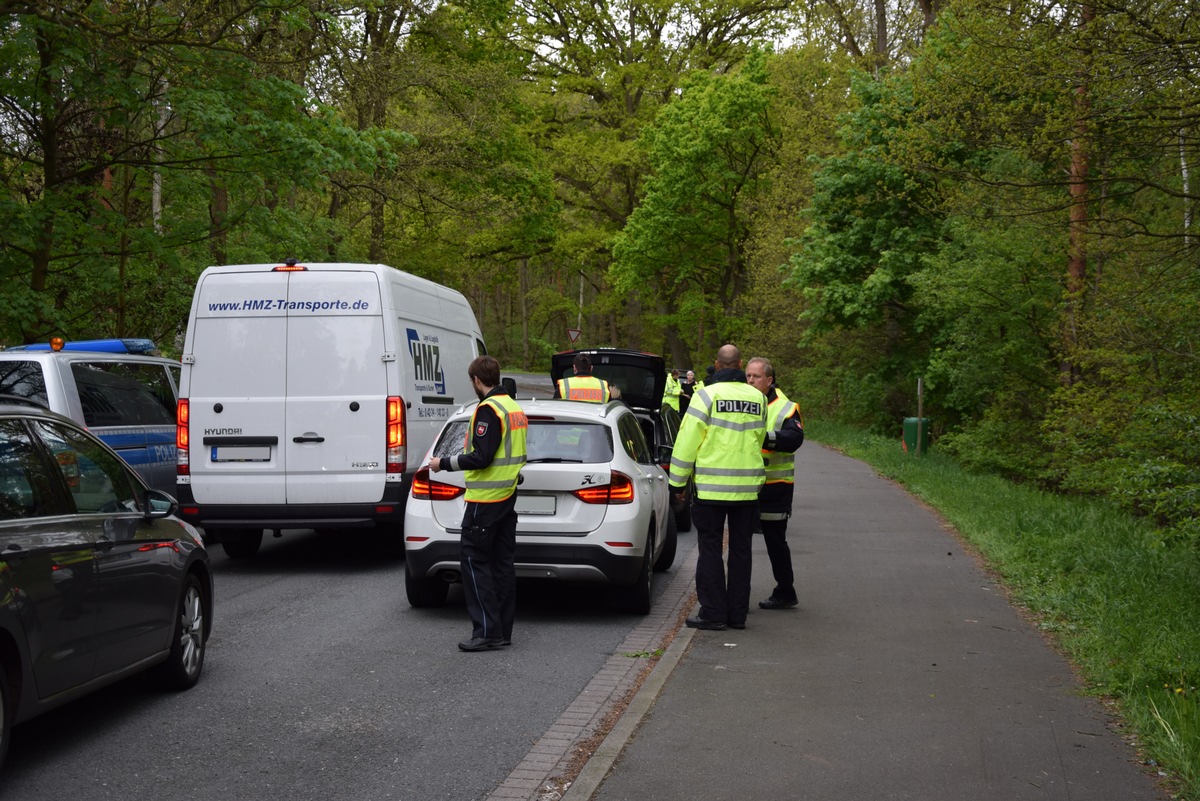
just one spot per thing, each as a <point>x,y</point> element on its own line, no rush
<point>25,380</point>
<point>124,394</point>
<point>546,441</point>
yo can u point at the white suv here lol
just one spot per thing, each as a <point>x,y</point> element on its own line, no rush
<point>592,500</point>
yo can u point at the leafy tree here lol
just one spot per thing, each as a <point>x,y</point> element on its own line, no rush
<point>709,152</point>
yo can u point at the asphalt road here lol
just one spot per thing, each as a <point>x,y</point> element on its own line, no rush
<point>322,683</point>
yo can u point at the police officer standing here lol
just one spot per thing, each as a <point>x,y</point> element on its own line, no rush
<point>494,455</point>
<point>583,386</point>
<point>720,442</point>
<point>786,435</point>
<point>672,391</point>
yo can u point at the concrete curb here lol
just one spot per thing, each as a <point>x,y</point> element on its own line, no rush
<point>596,770</point>
<point>540,775</point>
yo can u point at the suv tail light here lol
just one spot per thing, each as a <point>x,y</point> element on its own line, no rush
<point>618,490</point>
<point>182,461</point>
<point>397,435</point>
<point>425,488</point>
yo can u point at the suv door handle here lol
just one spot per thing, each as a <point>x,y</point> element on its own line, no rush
<point>308,438</point>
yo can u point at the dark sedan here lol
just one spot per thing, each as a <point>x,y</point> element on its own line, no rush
<point>98,579</point>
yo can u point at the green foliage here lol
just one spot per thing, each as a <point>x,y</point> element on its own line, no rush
<point>707,151</point>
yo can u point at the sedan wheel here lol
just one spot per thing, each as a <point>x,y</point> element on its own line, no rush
<point>6,714</point>
<point>183,666</point>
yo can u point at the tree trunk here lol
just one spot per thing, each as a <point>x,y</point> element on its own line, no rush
<point>1076,279</point>
<point>218,210</point>
<point>524,314</point>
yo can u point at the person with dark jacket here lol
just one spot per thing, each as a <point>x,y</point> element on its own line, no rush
<point>786,427</point>
<point>491,465</point>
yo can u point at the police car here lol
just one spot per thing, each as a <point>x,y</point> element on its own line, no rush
<point>119,388</point>
<point>592,505</point>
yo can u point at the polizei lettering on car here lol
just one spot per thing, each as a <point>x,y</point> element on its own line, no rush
<point>739,407</point>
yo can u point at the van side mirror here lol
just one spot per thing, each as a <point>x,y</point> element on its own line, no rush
<point>509,385</point>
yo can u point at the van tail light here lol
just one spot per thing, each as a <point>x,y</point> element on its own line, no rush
<point>618,490</point>
<point>182,462</point>
<point>426,489</point>
<point>397,435</point>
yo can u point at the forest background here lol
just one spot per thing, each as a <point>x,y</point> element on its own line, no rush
<point>992,197</point>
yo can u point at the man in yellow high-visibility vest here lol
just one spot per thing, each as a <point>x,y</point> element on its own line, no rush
<point>672,391</point>
<point>583,385</point>
<point>786,427</point>
<point>720,444</point>
<point>491,463</point>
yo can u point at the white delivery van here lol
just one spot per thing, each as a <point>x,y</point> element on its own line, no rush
<point>309,393</point>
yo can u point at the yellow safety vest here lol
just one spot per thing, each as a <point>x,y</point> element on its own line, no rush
<point>584,388</point>
<point>720,443</point>
<point>672,392</point>
<point>780,466</point>
<point>498,481</point>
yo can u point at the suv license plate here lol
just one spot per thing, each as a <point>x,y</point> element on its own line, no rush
<point>535,504</point>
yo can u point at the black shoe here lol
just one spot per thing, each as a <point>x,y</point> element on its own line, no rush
<point>776,603</point>
<point>741,625</point>
<point>479,644</point>
<point>698,622</point>
<point>507,641</point>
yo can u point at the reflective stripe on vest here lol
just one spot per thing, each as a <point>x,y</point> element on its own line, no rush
<point>780,466</point>
<point>498,481</point>
<point>584,388</point>
<point>720,443</point>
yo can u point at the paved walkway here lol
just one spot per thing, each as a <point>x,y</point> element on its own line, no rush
<point>904,674</point>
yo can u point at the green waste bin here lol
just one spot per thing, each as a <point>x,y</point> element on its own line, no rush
<point>910,434</point>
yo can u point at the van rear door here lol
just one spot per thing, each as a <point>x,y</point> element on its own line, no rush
<point>237,365</point>
<point>336,416</point>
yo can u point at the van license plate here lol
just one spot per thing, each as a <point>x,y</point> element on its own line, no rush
<point>241,453</point>
<point>535,504</point>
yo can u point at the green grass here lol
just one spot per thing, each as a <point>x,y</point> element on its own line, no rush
<point>1124,606</point>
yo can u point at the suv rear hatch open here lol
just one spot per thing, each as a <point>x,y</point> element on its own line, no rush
<point>641,377</point>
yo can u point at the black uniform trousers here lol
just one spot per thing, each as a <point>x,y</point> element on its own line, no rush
<point>723,599</point>
<point>486,553</point>
<point>775,538</point>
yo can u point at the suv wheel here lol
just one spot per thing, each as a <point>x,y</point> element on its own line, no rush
<point>638,599</point>
<point>667,557</point>
<point>424,592</point>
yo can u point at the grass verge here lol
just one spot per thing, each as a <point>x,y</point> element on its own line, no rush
<point>1123,606</point>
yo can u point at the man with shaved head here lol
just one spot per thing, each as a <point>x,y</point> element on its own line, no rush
<point>720,445</point>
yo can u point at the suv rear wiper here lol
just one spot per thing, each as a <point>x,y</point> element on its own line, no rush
<point>553,460</point>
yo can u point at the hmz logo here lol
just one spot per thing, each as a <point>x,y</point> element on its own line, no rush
<point>739,407</point>
<point>427,360</point>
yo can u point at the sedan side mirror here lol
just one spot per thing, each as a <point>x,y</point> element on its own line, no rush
<point>158,504</point>
<point>509,385</point>
<point>663,456</point>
